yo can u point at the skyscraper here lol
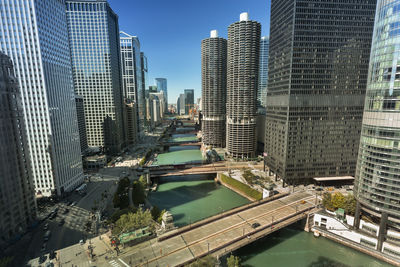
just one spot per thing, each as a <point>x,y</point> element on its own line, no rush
<point>80,113</point>
<point>144,74</point>
<point>377,185</point>
<point>316,86</point>
<point>131,120</point>
<point>189,100</point>
<point>263,72</point>
<point>94,39</point>
<point>34,35</point>
<point>17,204</point>
<point>213,74</point>
<point>162,86</point>
<point>181,104</point>
<point>242,79</point>
<point>131,66</point>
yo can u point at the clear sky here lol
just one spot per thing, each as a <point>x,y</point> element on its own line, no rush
<point>170,33</point>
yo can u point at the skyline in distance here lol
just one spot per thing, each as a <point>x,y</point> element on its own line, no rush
<point>170,34</point>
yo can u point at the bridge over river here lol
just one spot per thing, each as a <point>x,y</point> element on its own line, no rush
<point>223,234</point>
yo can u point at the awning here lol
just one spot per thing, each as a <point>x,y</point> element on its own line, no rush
<point>337,178</point>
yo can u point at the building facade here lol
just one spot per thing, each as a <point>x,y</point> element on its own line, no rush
<point>144,73</point>
<point>263,73</point>
<point>316,86</point>
<point>131,131</point>
<point>80,113</point>
<point>189,100</point>
<point>377,185</point>
<point>94,39</point>
<point>17,203</point>
<point>131,68</point>
<point>181,104</point>
<point>161,84</point>
<point>242,79</point>
<point>213,85</point>
<point>42,64</point>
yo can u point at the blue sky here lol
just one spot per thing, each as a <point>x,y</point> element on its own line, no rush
<point>170,33</point>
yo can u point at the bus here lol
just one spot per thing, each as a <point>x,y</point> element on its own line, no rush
<point>82,190</point>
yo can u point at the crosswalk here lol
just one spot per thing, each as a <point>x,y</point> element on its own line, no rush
<point>114,263</point>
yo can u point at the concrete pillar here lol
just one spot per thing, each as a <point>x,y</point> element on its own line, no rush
<point>356,224</point>
<point>382,230</point>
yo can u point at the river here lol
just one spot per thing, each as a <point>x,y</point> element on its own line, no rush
<point>193,198</point>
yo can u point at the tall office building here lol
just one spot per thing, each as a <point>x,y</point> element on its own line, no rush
<point>181,104</point>
<point>161,84</point>
<point>131,131</point>
<point>94,39</point>
<point>144,74</point>
<point>189,100</point>
<point>377,185</point>
<point>80,113</point>
<point>34,35</point>
<point>17,204</point>
<point>213,82</point>
<point>242,78</point>
<point>131,67</point>
<point>316,86</point>
<point>263,73</point>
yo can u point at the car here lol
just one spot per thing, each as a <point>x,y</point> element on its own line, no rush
<point>42,259</point>
<point>65,211</point>
<point>46,227</point>
<point>49,264</point>
<point>44,247</point>
<point>69,203</point>
<point>81,242</point>
<point>73,203</point>
<point>61,222</point>
<point>255,225</point>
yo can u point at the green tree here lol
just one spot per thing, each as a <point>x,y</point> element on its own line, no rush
<point>143,181</point>
<point>133,221</point>
<point>155,213</point>
<point>327,201</point>
<point>233,261</point>
<point>138,195</point>
<point>350,205</point>
<point>338,200</point>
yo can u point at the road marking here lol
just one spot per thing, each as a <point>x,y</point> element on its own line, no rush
<point>114,263</point>
<point>124,263</point>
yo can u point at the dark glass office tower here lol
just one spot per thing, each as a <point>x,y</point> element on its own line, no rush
<point>242,79</point>
<point>189,100</point>
<point>213,82</point>
<point>318,66</point>
<point>95,51</point>
<point>377,186</point>
<point>17,204</point>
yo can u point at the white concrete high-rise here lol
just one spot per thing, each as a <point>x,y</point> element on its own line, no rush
<point>34,35</point>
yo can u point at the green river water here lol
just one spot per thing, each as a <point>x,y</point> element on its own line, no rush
<point>183,138</point>
<point>193,198</point>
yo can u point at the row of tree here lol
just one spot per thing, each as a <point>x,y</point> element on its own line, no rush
<point>334,201</point>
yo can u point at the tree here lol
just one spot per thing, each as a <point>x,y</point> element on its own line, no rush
<point>138,195</point>
<point>350,205</point>
<point>155,213</point>
<point>133,221</point>
<point>327,201</point>
<point>338,200</point>
<point>207,261</point>
<point>233,261</point>
<point>143,181</point>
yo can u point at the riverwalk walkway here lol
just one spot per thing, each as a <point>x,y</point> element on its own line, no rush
<point>223,235</point>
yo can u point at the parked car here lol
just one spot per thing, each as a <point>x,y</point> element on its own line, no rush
<point>255,225</point>
<point>65,211</point>
<point>73,203</point>
<point>52,254</point>
<point>46,227</point>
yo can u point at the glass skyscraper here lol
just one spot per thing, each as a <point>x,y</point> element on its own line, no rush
<point>131,63</point>
<point>94,38</point>
<point>17,204</point>
<point>162,86</point>
<point>242,79</point>
<point>318,65</point>
<point>377,186</point>
<point>34,35</point>
<point>263,73</point>
<point>189,100</point>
